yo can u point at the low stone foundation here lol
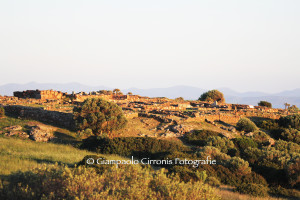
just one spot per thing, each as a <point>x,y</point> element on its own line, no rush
<point>39,114</point>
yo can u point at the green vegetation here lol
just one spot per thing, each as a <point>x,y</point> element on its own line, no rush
<point>136,146</point>
<point>10,121</point>
<point>253,189</point>
<point>245,142</point>
<point>199,137</point>
<point>245,124</point>
<point>247,163</point>
<point>213,181</point>
<point>222,143</point>
<point>290,134</point>
<point>212,95</point>
<point>290,121</point>
<point>2,112</point>
<point>265,104</point>
<point>268,124</point>
<point>99,115</point>
<point>124,182</point>
<point>17,154</point>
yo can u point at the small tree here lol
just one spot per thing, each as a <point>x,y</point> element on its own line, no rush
<point>212,95</point>
<point>2,112</point>
<point>265,104</point>
<point>99,115</point>
<point>117,92</point>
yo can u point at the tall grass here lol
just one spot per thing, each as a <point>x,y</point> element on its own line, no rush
<point>17,154</point>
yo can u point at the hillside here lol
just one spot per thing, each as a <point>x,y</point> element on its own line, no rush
<point>187,92</point>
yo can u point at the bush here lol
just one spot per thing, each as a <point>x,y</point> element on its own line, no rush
<point>2,112</point>
<point>288,147</point>
<point>223,144</point>
<point>290,121</point>
<point>199,137</point>
<point>261,137</point>
<point>269,124</point>
<point>99,115</point>
<point>124,182</point>
<point>245,124</point>
<point>290,135</point>
<point>253,189</point>
<point>265,104</point>
<point>293,171</point>
<point>212,95</point>
<point>244,143</point>
<point>132,146</point>
<point>213,181</point>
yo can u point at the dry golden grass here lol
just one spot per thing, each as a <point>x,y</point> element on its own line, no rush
<point>139,125</point>
<point>226,193</point>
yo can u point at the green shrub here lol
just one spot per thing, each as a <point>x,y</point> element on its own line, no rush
<point>99,115</point>
<point>254,178</point>
<point>124,182</point>
<point>2,112</point>
<point>245,124</point>
<point>213,181</point>
<point>293,171</point>
<point>221,143</point>
<point>288,147</point>
<point>132,146</point>
<point>212,95</point>
<point>265,104</point>
<point>244,143</point>
<point>290,135</point>
<point>238,165</point>
<point>261,137</point>
<point>290,121</point>
<point>269,124</point>
<point>235,164</point>
<point>253,189</point>
<point>199,137</point>
<point>85,133</point>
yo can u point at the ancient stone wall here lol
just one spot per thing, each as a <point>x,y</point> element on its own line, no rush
<point>225,118</point>
<point>51,117</point>
<point>39,94</point>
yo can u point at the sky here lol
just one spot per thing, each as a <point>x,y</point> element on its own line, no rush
<point>243,45</point>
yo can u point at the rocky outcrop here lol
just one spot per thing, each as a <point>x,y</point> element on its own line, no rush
<point>40,134</point>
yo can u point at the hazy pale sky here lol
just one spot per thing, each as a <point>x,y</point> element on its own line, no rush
<point>243,45</point>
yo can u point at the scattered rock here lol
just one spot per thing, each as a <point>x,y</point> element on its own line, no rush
<point>13,128</point>
<point>232,129</point>
<point>15,131</point>
<point>271,142</point>
<point>250,134</point>
<point>40,134</point>
<point>181,129</point>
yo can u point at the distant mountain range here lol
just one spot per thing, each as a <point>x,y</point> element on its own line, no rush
<point>187,92</point>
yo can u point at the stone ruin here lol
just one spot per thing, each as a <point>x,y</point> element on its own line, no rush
<point>39,94</point>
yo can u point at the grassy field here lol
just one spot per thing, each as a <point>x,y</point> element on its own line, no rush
<point>17,154</point>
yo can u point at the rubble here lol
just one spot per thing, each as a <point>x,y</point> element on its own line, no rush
<point>40,134</point>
